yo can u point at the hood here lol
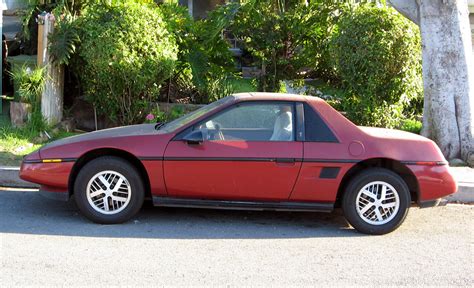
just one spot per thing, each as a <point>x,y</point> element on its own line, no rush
<point>133,130</point>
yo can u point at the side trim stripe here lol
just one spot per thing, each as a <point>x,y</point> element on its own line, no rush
<point>318,160</point>
<point>425,163</point>
<point>150,158</point>
<point>32,161</point>
<point>55,160</point>
<point>243,205</point>
<point>240,159</point>
<point>245,159</point>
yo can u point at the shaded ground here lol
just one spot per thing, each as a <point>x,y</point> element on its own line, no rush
<point>49,243</point>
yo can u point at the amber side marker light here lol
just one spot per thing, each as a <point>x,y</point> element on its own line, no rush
<point>52,160</point>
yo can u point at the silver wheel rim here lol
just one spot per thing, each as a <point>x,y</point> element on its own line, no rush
<point>377,203</point>
<point>108,192</point>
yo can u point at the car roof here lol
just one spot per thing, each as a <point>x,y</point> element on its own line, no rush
<point>266,96</point>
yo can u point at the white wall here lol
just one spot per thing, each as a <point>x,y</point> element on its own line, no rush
<point>11,4</point>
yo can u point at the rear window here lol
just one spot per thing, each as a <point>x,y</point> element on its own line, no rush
<point>315,128</point>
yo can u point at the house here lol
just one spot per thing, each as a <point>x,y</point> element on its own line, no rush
<point>199,8</point>
<point>9,6</point>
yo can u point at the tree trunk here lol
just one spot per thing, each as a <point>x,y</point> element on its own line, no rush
<point>53,93</point>
<point>448,73</point>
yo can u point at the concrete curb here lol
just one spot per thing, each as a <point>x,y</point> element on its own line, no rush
<point>9,178</point>
<point>465,194</point>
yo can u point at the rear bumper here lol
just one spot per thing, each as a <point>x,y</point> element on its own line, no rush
<point>434,183</point>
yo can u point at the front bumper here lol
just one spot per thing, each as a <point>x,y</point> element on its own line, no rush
<point>52,177</point>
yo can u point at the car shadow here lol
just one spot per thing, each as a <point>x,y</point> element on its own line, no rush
<point>29,213</point>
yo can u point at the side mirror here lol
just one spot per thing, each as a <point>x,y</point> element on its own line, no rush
<point>194,137</point>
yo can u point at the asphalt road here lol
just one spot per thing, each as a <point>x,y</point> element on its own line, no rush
<point>48,243</point>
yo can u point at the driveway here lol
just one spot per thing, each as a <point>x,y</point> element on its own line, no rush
<point>49,243</point>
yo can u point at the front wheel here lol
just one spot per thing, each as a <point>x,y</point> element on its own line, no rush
<point>376,201</point>
<point>109,190</point>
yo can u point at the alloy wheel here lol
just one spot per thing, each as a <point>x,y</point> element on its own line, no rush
<point>377,203</point>
<point>108,192</point>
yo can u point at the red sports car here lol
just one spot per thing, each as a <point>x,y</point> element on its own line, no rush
<point>255,151</point>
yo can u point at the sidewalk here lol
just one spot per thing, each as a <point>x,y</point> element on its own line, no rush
<point>464,176</point>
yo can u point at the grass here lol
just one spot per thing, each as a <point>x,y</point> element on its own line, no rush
<point>410,125</point>
<point>325,88</point>
<point>241,85</point>
<point>17,142</point>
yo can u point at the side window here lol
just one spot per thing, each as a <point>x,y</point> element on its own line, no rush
<point>252,122</point>
<point>315,128</point>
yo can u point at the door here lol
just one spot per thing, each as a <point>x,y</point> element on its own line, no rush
<point>248,152</point>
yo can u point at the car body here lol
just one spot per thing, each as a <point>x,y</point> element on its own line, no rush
<point>197,162</point>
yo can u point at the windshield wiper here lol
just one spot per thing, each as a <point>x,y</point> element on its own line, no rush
<point>159,125</point>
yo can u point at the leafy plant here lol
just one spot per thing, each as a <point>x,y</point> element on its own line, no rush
<point>377,55</point>
<point>125,54</point>
<point>205,64</point>
<point>37,123</point>
<point>176,112</point>
<point>29,83</point>
<point>32,8</point>
<point>156,115</point>
<point>287,38</point>
<point>410,125</point>
<point>63,42</point>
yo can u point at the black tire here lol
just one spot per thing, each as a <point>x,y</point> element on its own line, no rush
<point>116,164</point>
<point>349,201</point>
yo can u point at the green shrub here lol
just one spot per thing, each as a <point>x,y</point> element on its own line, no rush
<point>319,29</point>
<point>378,58</point>
<point>125,54</point>
<point>156,115</point>
<point>410,125</point>
<point>288,39</point>
<point>205,65</point>
<point>63,41</point>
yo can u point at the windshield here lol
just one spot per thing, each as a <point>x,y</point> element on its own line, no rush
<point>188,118</point>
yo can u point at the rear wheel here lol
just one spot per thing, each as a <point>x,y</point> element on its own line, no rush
<point>376,201</point>
<point>109,190</point>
